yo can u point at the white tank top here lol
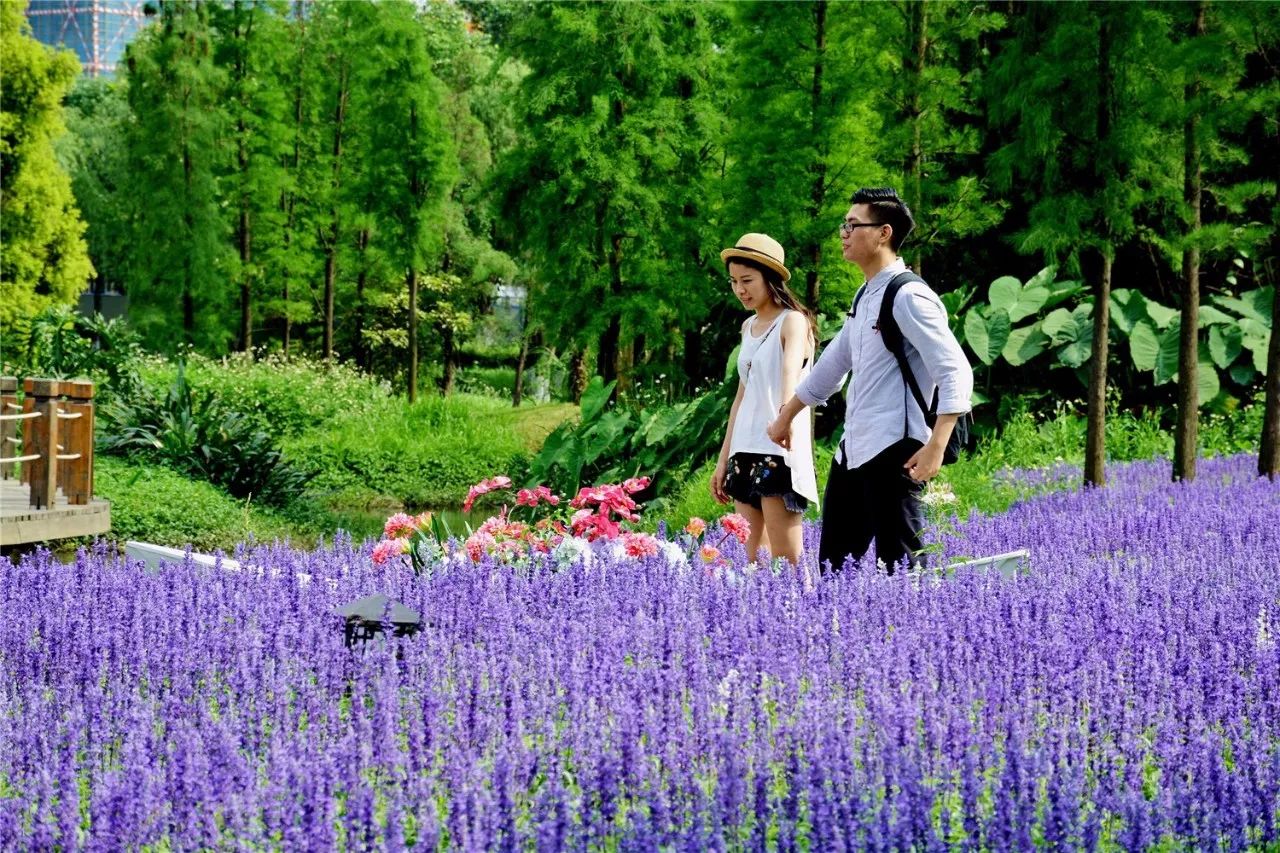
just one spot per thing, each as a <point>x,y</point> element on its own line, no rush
<point>760,370</point>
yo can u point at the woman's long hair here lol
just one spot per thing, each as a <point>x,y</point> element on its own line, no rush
<point>779,291</point>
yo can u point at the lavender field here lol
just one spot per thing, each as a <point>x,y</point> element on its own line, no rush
<point>1125,694</point>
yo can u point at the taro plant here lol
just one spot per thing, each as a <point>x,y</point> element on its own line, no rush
<point>1056,323</point>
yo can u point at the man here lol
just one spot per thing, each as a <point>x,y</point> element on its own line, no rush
<point>888,452</point>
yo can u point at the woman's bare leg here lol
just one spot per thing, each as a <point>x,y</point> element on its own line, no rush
<point>759,536</point>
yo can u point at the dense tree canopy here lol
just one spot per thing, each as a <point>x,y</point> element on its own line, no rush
<point>357,179</point>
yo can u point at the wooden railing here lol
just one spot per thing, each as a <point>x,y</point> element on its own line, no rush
<point>50,434</point>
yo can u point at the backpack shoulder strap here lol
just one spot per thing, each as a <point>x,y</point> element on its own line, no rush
<point>891,334</point>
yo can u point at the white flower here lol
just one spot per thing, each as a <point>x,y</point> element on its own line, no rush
<point>938,493</point>
<point>570,550</point>
<point>675,555</point>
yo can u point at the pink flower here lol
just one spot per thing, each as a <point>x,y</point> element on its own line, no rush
<point>483,488</point>
<point>385,550</point>
<point>640,544</point>
<point>736,526</point>
<point>525,497</point>
<point>478,544</point>
<point>399,525</point>
<point>500,482</point>
<point>695,527</point>
<point>636,484</point>
<point>708,553</point>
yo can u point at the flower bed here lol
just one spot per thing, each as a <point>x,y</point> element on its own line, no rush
<point>1124,693</point>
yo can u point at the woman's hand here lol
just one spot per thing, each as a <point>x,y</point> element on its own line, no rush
<point>717,483</point>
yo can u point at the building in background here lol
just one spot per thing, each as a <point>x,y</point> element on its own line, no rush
<point>97,30</point>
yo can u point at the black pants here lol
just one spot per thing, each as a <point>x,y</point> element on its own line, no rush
<point>878,501</point>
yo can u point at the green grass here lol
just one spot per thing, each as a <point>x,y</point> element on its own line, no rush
<point>155,504</point>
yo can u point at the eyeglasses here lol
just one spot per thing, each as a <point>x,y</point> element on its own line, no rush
<point>846,228</point>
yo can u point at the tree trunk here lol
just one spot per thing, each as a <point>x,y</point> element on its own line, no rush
<point>818,168</point>
<point>607,358</point>
<point>577,376</point>
<point>188,297</point>
<point>692,357</point>
<point>361,352</point>
<point>1186,433</point>
<point>1269,447</point>
<point>335,228</point>
<point>246,290</point>
<point>1095,453</point>
<point>449,357</point>
<point>413,334</point>
<point>917,53</point>
<point>517,387</point>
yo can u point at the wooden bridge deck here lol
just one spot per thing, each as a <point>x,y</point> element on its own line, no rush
<point>20,523</point>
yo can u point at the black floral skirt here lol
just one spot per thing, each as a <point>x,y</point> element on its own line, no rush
<point>752,476</point>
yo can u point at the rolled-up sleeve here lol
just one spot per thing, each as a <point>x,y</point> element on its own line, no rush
<point>829,372</point>
<point>923,321</point>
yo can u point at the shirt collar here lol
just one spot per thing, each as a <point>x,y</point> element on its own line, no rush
<point>882,278</point>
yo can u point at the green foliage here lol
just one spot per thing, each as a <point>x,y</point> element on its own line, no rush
<point>44,261</point>
<point>424,454</point>
<point>178,269</point>
<point>153,503</point>
<point>61,344</point>
<point>610,443</point>
<point>1235,331</point>
<point>193,431</point>
<point>280,396</point>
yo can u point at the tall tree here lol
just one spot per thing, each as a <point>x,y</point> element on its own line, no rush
<point>45,260</point>
<point>933,123</point>
<point>799,96</point>
<point>1185,443</point>
<point>601,139</point>
<point>400,101</point>
<point>95,154</point>
<point>180,247</point>
<point>250,39</point>
<point>1069,89</point>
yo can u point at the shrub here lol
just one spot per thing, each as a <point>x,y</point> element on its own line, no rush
<point>195,432</point>
<point>280,396</point>
<point>155,504</point>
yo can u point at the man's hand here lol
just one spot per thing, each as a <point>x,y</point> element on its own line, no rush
<point>780,431</point>
<point>925,463</point>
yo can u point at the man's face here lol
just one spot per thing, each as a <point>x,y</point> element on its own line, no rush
<point>862,234</point>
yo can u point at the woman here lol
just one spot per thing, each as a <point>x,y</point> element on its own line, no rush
<point>770,485</point>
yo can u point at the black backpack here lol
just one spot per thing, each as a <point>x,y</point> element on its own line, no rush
<point>962,435</point>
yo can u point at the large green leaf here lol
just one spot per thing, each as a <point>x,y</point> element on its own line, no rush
<point>1004,292</point>
<point>1224,344</point>
<point>1257,347</point>
<point>1162,315</point>
<point>987,335</point>
<point>1144,345</point>
<point>595,397</point>
<point>1210,316</point>
<point>1058,325</point>
<point>1063,291</point>
<point>731,366</point>
<point>664,423</point>
<point>1029,303</point>
<point>1044,278</point>
<point>1025,344</point>
<point>1167,355</point>
<point>1255,304</point>
<point>1128,308</point>
<point>1207,380</point>
<point>1243,374</point>
<point>1079,334</point>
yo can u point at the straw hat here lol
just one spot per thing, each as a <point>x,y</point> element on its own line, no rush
<point>762,249</point>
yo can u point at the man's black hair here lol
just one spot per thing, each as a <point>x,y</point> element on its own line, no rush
<point>887,207</point>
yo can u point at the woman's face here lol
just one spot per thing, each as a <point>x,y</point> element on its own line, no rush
<point>749,286</point>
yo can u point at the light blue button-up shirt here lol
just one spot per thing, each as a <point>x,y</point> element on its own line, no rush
<point>879,402</point>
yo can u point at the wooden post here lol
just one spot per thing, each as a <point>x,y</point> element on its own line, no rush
<point>8,429</point>
<point>41,437</point>
<point>75,473</point>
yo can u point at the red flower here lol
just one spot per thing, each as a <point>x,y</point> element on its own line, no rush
<point>736,526</point>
